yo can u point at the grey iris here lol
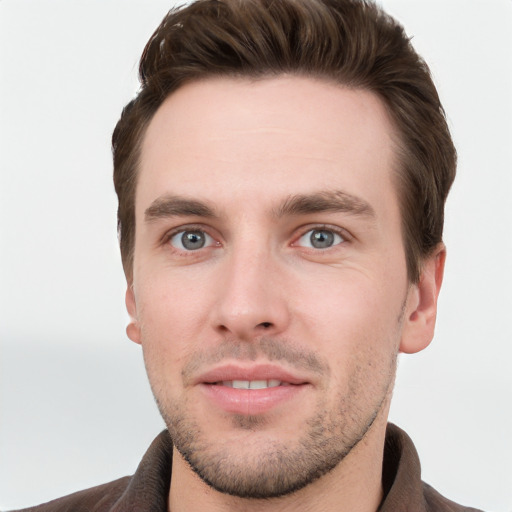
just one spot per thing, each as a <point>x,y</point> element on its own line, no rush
<point>321,239</point>
<point>193,240</point>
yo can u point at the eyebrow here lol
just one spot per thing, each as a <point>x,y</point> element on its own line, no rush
<point>176,206</point>
<point>298,204</point>
<point>324,201</point>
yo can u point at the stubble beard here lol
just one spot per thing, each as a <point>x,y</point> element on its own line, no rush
<point>276,468</point>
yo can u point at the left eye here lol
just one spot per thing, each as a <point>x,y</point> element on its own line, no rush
<point>191,240</point>
<point>320,239</point>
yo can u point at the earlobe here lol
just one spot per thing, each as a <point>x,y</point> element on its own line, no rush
<point>132,329</point>
<point>421,307</point>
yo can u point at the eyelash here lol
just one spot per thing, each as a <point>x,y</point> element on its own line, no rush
<point>342,233</point>
<point>166,239</point>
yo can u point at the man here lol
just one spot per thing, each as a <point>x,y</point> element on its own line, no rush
<point>281,180</point>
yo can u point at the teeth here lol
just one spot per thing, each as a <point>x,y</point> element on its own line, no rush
<point>241,384</point>
<point>258,384</point>
<point>252,384</point>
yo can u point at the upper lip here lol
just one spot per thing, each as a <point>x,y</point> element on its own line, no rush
<point>229,372</point>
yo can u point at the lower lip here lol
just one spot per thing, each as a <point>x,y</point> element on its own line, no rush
<point>250,401</point>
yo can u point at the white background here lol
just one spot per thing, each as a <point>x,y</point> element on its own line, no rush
<point>75,407</point>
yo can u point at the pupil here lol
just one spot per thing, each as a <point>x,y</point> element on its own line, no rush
<point>322,239</point>
<point>192,240</point>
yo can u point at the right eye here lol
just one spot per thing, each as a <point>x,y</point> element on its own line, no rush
<point>191,240</point>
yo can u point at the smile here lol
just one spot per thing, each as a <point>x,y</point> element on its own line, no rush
<point>249,389</point>
<point>252,384</point>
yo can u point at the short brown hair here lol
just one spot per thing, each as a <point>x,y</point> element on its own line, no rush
<point>349,42</point>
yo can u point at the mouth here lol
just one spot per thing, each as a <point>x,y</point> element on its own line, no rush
<point>251,390</point>
<point>252,384</point>
<point>260,376</point>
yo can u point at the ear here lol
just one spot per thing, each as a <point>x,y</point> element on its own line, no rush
<point>421,305</point>
<point>133,328</point>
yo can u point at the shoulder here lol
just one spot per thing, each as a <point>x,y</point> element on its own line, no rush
<point>435,502</point>
<point>101,498</point>
<point>146,490</point>
<point>402,482</point>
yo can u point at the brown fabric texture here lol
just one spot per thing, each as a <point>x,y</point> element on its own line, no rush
<point>147,490</point>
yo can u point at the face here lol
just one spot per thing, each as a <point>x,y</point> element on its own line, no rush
<point>270,290</point>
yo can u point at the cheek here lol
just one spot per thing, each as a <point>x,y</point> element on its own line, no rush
<point>358,331</point>
<point>172,301</point>
<point>171,317</point>
<point>355,322</point>
<point>352,302</point>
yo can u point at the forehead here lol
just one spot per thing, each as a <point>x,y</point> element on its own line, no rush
<point>228,138</point>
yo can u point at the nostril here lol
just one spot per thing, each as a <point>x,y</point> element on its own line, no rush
<point>266,325</point>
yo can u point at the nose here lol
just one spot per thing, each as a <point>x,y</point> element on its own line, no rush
<point>252,300</point>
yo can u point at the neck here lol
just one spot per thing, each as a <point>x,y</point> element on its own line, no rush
<point>355,485</point>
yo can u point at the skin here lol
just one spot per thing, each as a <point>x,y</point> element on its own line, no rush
<point>227,159</point>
